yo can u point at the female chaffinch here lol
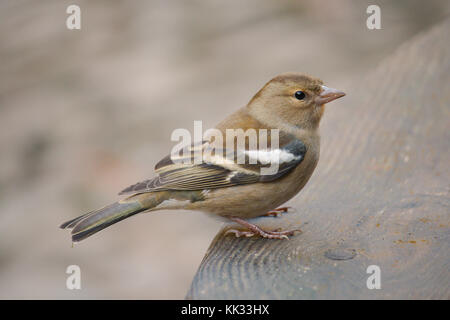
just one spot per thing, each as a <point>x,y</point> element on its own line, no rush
<point>292,104</point>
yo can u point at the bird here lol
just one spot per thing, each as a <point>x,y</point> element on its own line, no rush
<point>288,110</point>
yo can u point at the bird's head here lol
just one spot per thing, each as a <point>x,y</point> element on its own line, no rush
<point>292,99</point>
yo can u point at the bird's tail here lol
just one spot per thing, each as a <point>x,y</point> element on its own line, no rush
<point>94,221</point>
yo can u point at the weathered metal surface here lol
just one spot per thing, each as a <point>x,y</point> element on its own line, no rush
<point>380,196</point>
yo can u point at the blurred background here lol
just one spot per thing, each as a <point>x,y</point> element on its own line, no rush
<point>85,113</point>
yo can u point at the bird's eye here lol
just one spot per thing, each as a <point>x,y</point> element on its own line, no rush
<point>300,95</point>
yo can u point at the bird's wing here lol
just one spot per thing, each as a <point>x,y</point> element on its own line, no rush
<point>221,168</point>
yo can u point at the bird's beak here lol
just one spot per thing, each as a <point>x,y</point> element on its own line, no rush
<point>328,95</point>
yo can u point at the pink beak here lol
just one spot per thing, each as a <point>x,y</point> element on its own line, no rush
<point>328,95</point>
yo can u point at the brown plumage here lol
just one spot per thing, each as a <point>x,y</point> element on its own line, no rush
<point>292,103</point>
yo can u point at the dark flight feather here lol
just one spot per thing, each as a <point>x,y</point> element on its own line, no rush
<point>173,174</point>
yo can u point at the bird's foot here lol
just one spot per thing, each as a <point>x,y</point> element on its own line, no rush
<point>277,212</point>
<point>265,234</point>
<point>240,233</point>
<point>255,230</point>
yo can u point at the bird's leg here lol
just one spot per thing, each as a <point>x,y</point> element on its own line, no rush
<point>255,230</point>
<point>276,212</point>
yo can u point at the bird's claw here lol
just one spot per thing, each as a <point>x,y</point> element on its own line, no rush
<point>277,212</point>
<point>239,233</point>
<point>276,234</point>
<point>253,230</point>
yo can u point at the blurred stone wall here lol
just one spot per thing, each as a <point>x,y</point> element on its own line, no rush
<point>85,113</point>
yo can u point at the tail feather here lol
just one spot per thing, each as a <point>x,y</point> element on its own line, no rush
<point>94,221</point>
<point>71,223</point>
